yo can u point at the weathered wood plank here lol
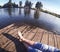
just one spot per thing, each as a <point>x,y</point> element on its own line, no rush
<point>6,28</point>
<point>55,41</point>
<point>13,33</point>
<point>11,47</point>
<point>38,35</point>
<point>31,34</point>
<point>58,40</point>
<point>51,39</point>
<point>3,38</point>
<point>9,41</point>
<point>26,31</point>
<point>45,38</point>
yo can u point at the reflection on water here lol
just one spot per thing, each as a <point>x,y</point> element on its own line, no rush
<point>26,11</point>
<point>20,11</point>
<point>9,11</point>
<point>36,14</point>
<point>29,16</point>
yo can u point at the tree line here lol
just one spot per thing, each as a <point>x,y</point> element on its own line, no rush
<point>38,5</point>
<point>29,4</point>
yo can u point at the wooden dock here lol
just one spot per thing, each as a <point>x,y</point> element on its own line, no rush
<point>9,40</point>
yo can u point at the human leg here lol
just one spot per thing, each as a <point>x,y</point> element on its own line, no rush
<point>36,45</point>
<point>28,42</point>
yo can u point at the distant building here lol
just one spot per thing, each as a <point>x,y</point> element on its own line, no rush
<point>10,5</point>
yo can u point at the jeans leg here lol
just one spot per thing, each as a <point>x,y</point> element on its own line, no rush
<point>30,49</point>
<point>45,48</point>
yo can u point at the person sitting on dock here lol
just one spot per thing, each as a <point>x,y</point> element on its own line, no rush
<point>32,46</point>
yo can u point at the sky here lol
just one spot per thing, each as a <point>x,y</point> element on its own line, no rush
<point>50,5</point>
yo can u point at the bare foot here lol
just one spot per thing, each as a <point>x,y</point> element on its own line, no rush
<point>20,35</point>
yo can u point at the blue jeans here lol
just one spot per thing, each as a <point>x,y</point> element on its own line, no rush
<point>39,47</point>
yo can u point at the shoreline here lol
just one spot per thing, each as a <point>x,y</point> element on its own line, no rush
<point>51,13</point>
<point>45,11</point>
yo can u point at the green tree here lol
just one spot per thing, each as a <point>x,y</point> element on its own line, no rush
<point>0,6</point>
<point>38,5</point>
<point>20,3</point>
<point>28,4</point>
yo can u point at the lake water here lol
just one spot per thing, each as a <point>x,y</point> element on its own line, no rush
<point>34,17</point>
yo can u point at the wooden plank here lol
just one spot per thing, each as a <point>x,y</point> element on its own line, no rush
<point>34,30</point>
<point>41,32</point>
<point>55,41</point>
<point>10,47</point>
<point>12,33</point>
<point>15,30</point>
<point>22,28</point>
<point>38,35</point>
<point>3,38</point>
<point>15,34</point>
<point>6,44</point>
<point>51,39</point>
<point>0,43</point>
<point>30,30</point>
<point>45,38</point>
<point>58,40</point>
<point>6,28</point>
<point>26,31</point>
<point>31,34</point>
<point>9,43</point>
<point>6,31</point>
